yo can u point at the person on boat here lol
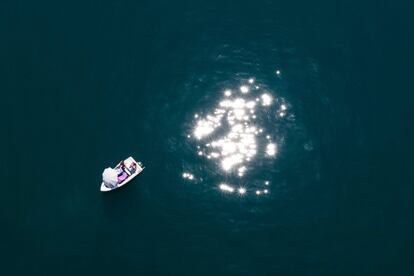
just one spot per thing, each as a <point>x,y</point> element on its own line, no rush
<point>128,168</point>
<point>132,168</point>
<point>120,168</point>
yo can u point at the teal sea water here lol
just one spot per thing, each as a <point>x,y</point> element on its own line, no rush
<point>276,135</point>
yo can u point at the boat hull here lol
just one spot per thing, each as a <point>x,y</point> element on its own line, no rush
<point>138,170</point>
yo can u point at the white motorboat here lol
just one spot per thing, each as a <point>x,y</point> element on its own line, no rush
<point>122,174</point>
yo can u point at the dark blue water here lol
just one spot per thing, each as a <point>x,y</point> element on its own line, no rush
<point>302,168</point>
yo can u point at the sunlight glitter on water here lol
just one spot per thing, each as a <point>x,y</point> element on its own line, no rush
<point>232,134</point>
<point>271,149</point>
<point>266,99</point>
<point>188,176</point>
<point>226,188</point>
<point>239,144</point>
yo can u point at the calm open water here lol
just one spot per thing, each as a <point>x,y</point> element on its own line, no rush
<point>276,137</point>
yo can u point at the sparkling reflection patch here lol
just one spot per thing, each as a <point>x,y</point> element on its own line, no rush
<point>231,134</point>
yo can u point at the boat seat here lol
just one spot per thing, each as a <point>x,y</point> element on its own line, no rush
<point>122,177</point>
